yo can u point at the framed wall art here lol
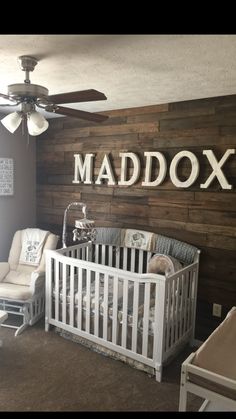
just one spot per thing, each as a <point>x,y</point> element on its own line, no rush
<point>6,176</point>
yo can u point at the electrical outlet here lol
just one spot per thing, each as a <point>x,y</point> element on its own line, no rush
<point>217,310</point>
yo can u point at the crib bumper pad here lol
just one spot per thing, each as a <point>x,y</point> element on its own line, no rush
<point>145,240</point>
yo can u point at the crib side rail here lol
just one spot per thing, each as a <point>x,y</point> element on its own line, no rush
<point>105,305</point>
<point>78,251</point>
<point>180,306</point>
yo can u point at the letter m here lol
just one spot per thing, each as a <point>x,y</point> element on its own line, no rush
<point>83,170</point>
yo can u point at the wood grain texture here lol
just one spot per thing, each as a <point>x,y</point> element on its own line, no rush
<point>204,218</point>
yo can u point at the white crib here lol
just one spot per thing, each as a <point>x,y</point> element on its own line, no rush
<point>102,294</point>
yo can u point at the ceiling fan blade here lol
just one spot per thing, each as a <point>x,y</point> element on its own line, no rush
<point>6,100</point>
<point>95,117</point>
<point>74,97</point>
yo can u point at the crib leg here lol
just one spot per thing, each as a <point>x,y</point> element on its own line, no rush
<point>159,374</point>
<point>46,325</point>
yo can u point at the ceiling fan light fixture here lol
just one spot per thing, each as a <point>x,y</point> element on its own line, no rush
<point>36,123</point>
<point>30,95</point>
<point>12,121</point>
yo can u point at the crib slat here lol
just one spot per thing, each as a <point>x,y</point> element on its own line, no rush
<point>105,307</point>
<point>124,313</point>
<point>79,314</point>
<point>140,262</point>
<point>56,289</point>
<point>125,258</point>
<point>50,282</point>
<point>189,298</point>
<point>185,300</point>
<point>181,305</point>
<point>96,316</point>
<point>72,295</point>
<point>146,319</point>
<point>135,316</point>
<point>96,252</point>
<point>88,288</point>
<point>110,253</point>
<point>118,257</point>
<point>89,252</point>
<point>173,301</point>
<point>177,313</point>
<point>64,293</point>
<point>168,323</point>
<point>103,254</point>
<point>73,253</point>
<point>114,309</point>
<point>132,268</point>
<point>156,331</point>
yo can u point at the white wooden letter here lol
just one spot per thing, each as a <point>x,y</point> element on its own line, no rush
<point>83,170</point>
<point>194,172</point>
<point>216,166</point>
<point>136,169</point>
<point>106,172</point>
<point>148,170</point>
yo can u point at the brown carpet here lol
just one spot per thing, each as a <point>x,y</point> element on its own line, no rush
<point>44,372</point>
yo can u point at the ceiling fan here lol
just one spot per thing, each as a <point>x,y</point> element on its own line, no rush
<point>32,96</point>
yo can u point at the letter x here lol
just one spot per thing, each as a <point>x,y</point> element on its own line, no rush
<point>216,166</point>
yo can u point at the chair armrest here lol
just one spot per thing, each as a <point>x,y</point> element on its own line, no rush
<point>4,269</point>
<point>37,281</point>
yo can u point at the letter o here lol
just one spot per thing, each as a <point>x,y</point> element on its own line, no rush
<point>194,172</point>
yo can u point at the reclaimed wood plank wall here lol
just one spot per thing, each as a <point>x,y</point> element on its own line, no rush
<point>205,218</point>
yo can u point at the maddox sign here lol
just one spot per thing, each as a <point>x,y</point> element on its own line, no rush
<point>84,167</point>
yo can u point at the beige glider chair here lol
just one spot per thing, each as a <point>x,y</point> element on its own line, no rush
<point>22,284</point>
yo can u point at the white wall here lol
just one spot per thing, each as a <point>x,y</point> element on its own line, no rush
<point>17,211</point>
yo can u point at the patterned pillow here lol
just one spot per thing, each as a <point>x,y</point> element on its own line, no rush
<point>163,264</point>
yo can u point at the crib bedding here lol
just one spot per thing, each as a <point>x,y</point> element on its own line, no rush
<point>151,321</point>
<point>110,300</point>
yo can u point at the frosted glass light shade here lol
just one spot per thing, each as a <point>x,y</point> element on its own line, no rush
<point>12,121</point>
<point>36,123</point>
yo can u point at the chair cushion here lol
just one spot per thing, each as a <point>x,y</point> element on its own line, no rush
<point>15,251</point>
<point>51,243</point>
<point>14,292</point>
<point>18,278</point>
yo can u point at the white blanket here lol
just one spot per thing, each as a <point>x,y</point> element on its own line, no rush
<point>33,240</point>
<point>140,239</point>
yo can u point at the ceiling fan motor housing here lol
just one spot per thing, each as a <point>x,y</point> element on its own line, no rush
<point>23,90</point>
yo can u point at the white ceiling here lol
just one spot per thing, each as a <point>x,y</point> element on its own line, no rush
<point>131,70</point>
